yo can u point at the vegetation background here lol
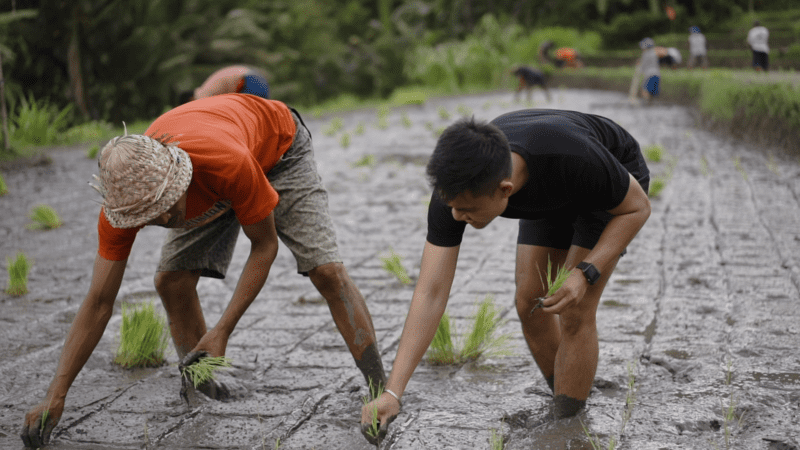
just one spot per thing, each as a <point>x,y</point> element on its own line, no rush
<point>95,62</point>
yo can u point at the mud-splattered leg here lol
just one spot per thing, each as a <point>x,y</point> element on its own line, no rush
<point>178,292</point>
<point>352,318</point>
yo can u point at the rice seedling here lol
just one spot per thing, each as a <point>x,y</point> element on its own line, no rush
<point>630,402</point>
<point>438,132</point>
<point>654,153</point>
<point>365,161</point>
<point>374,427</point>
<point>203,370</point>
<point>359,129</point>
<point>496,439</point>
<point>334,126</point>
<point>656,186</point>
<point>487,105</point>
<point>554,283</point>
<point>143,337</point>
<point>429,125</point>
<point>704,167</point>
<point>483,339</point>
<point>738,164</point>
<point>92,151</point>
<point>44,218</point>
<point>464,110</point>
<point>729,411</point>
<point>18,274</point>
<point>344,141</point>
<point>443,113</point>
<point>406,120</point>
<point>394,265</point>
<point>3,186</point>
<point>383,123</point>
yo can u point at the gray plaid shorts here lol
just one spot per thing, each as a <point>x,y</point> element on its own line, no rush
<point>301,219</point>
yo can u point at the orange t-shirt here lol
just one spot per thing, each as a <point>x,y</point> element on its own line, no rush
<point>566,54</point>
<point>233,141</point>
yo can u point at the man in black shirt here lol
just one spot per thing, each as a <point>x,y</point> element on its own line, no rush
<point>578,185</point>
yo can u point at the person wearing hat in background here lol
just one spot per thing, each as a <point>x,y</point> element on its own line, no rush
<point>648,69</point>
<point>757,39</point>
<point>230,80</point>
<point>668,56</point>
<point>205,170</point>
<point>528,78</point>
<point>697,48</point>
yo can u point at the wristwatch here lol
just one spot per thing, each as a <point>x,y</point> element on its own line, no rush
<point>589,271</point>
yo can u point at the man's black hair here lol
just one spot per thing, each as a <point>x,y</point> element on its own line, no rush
<point>469,156</point>
<point>185,97</point>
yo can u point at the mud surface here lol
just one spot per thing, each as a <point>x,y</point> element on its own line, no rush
<point>707,292</point>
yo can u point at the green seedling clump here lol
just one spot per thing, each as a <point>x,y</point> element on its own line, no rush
<point>365,161</point>
<point>334,127</point>
<point>555,283</point>
<point>360,128</point>
<point>143,337</point>
<point>374,392</point>
<point>44,218</point>
<point>406,120</point>
<point>3,186</point>
<point>204,369</point>
<point>394,265</point>
<point>656,187</point>
<point>92,152</point>
<point>18,275</point>
<point>464,110</point>
<point>443,113</point>
<point>654,153</point>
<point>345,140</point>
<point>482,340</point>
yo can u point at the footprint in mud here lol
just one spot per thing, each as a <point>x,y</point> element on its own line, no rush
<point>778,444</point>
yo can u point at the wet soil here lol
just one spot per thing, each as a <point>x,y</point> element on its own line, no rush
<point>703,310</point>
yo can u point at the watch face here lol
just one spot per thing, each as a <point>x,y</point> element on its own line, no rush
<point>589,271</point>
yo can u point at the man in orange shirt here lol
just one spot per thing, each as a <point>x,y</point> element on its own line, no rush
<point>205,170</point>
<point>230,80</point>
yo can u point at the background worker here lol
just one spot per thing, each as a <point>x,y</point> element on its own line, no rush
<point>697,48</point>
<point>564,56</point>
<point>757,39</point>
<point>230,80</point>
<point>528,78</point>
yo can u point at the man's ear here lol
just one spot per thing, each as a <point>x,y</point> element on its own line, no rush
<point>506,187</point>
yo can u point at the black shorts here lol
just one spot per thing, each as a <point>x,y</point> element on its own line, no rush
<point>563,231</point>
<point>761,59</point>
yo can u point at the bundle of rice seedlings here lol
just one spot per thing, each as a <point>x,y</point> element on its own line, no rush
<point>3,186</point>
<point>393,265</point>
<point>334,127</point>
<point>375,392</point>
<point>464,110</point>
<point>555,283</point>
<point>18,275</point>
<point>44,218</point>
<point>143,337</point>
<point>204,369</point>
<point>365,161</point>
<point>482,339</point>
<point>443,113</point>
<point>406,120</point>
<point>656,186</point>
<point>442,350</point>
<point>653,153</point>
<point>345,140</point>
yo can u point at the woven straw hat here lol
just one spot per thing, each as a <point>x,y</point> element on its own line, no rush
<point>141,177</point>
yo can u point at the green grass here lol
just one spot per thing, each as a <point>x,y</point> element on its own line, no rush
<point>38,123</point>
<point>654,153</point>
<point>656,186</point>
<point>365,161</point>
<point>483,339</point>
<point>204,369</point>
<point>44,218</point>
<point>394,266</point>
<point>92,151</point>
<point>143,337</point>
<point>3,187</point>
<point>18,274</point>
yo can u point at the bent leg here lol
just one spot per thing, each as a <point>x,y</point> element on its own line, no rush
<point>352,318</point>
<point>542,331</point>
<point>178,292</point>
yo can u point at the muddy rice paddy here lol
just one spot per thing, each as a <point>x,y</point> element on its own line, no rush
<point>704,310</point>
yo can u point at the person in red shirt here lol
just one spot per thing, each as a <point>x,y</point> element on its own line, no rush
<point>230,80</point>
<point>205,170</point>
<point>565,56</point>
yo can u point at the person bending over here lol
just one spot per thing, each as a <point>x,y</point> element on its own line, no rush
<point>577,183</point>
<point>528,78</point>
<point>206,170</point>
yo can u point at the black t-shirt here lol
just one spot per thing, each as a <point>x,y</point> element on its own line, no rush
<point>577,162</point>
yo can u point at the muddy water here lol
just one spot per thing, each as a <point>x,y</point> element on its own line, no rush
<point>701,314</point>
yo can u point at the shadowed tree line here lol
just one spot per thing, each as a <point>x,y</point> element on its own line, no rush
<point>127,59</point>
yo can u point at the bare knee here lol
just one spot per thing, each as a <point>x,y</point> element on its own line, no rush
<point>330,279</point>
<point>168,284</point>
<point>574,323</point>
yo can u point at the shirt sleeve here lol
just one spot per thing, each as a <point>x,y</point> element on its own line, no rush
<point>443,229</point>
<point>114,244</point>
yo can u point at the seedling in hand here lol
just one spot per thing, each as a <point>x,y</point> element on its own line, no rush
<point>18,275</point>
<point>44,218</point>
<point>553,283</point>
<point>204,369</point>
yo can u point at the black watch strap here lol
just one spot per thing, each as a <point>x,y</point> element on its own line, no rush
<point>589,271</point>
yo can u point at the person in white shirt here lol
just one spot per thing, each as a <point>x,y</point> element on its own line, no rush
<point>697,48</point>
<point>757,39</point>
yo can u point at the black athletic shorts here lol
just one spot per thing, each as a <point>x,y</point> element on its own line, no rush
<point>761,59</point>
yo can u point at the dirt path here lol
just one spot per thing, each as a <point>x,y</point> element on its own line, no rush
<point>708,292</point>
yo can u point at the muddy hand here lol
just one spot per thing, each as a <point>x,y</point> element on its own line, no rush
<point>386,408</point>
<point>212,388</point>
<point>35,434</point>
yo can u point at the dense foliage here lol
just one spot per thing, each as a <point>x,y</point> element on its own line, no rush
<point>127,59</point>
